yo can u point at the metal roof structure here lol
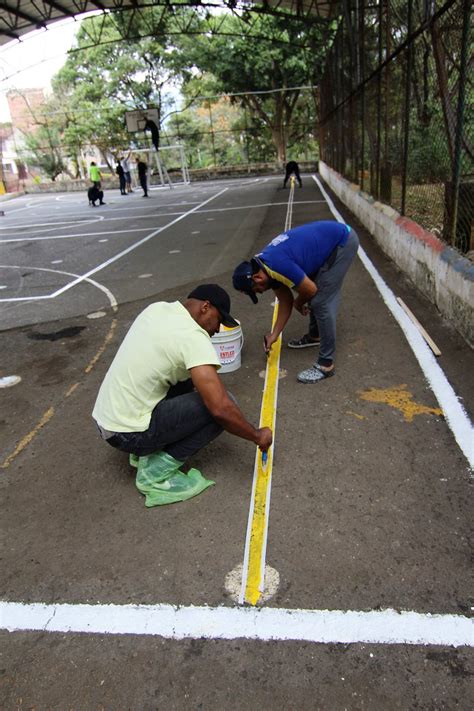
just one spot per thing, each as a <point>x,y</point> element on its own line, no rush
<point>19,17</point>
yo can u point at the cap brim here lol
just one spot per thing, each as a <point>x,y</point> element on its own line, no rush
<point>228,321</point>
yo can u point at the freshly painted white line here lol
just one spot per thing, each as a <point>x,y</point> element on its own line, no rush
<point>107,292</point>
<point>265,623</point>
<point>454,413</point>
<point>130,230</point>
<point>134,246</point>
<point>145,229</point>
<point>34,225</point>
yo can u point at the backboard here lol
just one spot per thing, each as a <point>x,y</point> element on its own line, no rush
<point>137,119</point>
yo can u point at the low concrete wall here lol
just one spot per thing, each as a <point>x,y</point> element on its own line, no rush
<point>438,271</point>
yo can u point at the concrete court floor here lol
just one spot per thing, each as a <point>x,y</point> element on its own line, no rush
<point>368,509</point>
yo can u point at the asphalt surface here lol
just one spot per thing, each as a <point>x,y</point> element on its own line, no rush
<point>370,501</point>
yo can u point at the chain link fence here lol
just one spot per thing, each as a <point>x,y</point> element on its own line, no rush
<point>396,106</point>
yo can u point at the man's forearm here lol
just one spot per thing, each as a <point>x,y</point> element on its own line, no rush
<point>232,420</point>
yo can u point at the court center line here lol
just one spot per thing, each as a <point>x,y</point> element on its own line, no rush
<point>135,246</point>
<point>258,623</point>
<point>145,229</point>
<point>121,254</point>
<point>456,417</point>
<point>253,569</point>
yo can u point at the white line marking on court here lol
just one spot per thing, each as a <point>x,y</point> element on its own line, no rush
<point>265,623</point>
<point>456,417</point>
<point>85,277</point>
<point>145,229</point>
<point>130,230</point>
<point>107,292</point>
<point>86,221</point>
<point>134,246</point>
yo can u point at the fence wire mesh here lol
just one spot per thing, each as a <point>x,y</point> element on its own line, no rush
<point>397,110</point>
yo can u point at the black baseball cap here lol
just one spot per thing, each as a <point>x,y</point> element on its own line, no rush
<point>218,297</point>
<point>242,280</point>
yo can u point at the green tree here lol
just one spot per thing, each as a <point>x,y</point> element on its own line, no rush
<point>43,150</point>
<point>267,57</point>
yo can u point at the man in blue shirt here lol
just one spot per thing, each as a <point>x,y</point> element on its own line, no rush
<point>312,260</point>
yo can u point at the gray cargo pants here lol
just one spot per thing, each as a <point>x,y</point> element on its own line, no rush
<point>325,304</point>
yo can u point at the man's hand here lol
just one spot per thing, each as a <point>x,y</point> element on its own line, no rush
<point>223,409</point>
<point>268,340</point>
<point>265,438</point>
<point>302,308</point>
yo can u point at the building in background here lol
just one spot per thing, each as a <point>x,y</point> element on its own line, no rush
<point>23,106</point>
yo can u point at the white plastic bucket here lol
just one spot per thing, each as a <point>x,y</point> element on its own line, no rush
<point>228,344</point>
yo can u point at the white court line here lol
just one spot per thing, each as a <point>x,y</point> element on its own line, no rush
<point>456,417</point>
<point>107,292</point>
<point>84,277</point>
<point>86,221</point>
<point>264,623</point>
<point>145,229</point>
<point>134,246</point>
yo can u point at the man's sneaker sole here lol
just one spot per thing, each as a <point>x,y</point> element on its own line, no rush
<point>303,344</point>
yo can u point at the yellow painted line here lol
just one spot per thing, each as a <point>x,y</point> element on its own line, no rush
<point>253,573</point>
<point>49,413</point>
<point>257,537</point>
<point>107,340</point>
<point>27,439</point>
<point>72,389</point>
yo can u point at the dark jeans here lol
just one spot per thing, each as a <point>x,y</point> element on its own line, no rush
<point>291,171</point>
<point>180,425</point>
<point>122,184</point>
<point>142,179</point>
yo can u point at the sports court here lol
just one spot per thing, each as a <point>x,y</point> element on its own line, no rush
<point>365,529</point>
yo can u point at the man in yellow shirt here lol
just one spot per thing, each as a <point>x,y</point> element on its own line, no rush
<point>162,399</point>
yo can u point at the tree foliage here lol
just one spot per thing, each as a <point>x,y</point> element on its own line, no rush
<point>260,64</point>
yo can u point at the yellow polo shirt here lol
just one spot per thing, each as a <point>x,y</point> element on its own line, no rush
<point>163,343</point>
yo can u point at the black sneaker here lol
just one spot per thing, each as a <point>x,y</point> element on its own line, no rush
<point>305,342</point>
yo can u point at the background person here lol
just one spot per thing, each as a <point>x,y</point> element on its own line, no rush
<point>95,175</point>
<point>162,398</point>
<point>292,168</point>
<point>121,176</point>
<point>126,171</point>
<point>313,260</point>
<point>142,168</point>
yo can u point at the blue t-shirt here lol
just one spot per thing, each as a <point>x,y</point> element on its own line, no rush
<point>302,251</point>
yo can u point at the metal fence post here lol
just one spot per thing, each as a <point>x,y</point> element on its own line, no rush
<point>455,192</point>
<point>406,132</point>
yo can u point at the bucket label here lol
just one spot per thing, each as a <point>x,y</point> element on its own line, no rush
<point>226,353</point>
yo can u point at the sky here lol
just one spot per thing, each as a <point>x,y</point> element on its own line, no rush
<point>32,62</point>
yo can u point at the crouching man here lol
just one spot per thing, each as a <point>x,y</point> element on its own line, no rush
<point>162,399</point>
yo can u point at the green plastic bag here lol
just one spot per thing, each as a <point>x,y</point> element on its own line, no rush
<point>161,481</point>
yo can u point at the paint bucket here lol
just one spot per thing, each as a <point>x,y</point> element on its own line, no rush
<point>228,344</point>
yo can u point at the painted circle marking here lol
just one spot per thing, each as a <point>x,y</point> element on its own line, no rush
<point>282,373</point>
<point>233,583</point>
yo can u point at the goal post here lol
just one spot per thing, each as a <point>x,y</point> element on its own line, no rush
<point>166,166</point>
